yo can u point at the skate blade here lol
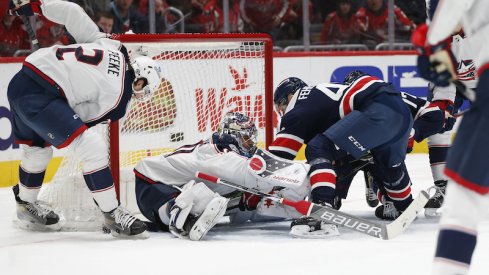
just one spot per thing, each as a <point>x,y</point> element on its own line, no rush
<point>303,232</point>
<point>208,219</point>
<point>141,236</point>
<point>33,226</point>
<point>432,212</point>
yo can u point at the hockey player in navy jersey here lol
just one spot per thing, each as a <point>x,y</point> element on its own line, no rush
<point>172,198</point>
<point>467,195</point>
<point>58,94</point>
<point>334,120</point>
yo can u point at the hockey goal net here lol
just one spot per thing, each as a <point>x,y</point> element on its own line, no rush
<point>204,76</point>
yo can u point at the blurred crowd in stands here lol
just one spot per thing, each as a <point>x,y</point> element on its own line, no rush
<point>332,21</point>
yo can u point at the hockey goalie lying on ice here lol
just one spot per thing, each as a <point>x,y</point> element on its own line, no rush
<point>172,198</point>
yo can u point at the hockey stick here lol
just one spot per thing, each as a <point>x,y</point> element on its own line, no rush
<point>330,215</point>
<point>31,33</point>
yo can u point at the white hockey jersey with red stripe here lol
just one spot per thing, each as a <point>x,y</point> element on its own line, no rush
<point>90,75</point>
<point>314,109</point>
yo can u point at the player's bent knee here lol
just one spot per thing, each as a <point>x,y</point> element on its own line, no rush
<point>92,150</point>
<point>35,159</point>
<point>457,201</point>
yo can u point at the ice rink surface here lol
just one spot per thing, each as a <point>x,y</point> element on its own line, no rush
<point>264,248</point>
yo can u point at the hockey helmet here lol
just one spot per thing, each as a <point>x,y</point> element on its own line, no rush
<point>149,71</point>
<point>352,77</point>
<point>242,130</point>
<point>285,88</point>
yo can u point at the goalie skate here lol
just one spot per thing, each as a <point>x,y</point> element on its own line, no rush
<point>433,207</point>
<point>35,216</point>
<point>120,223</point>
<point>310,228</point>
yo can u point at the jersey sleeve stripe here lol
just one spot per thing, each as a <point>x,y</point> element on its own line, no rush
<point>289,136</point>
<point>283,149</point>
<point>346,105</point>
<point>287,143</point>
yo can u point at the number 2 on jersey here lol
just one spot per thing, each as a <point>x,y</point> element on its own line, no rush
<point>80,56</point>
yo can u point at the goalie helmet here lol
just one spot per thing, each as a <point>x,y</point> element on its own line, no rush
<point>242,130</point>
<point>285,88</point>
<point>149,71</point>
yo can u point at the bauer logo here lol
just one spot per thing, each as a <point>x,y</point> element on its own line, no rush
<point>348,222</point>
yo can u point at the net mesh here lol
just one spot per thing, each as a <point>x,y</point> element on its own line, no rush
<point>201,82</point>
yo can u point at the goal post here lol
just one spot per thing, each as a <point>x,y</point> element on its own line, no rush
<point>204,76</point>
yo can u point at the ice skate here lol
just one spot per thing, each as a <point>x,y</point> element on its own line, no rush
<point>120,223</point>
<point>35,216</point>
<point>432,208</point>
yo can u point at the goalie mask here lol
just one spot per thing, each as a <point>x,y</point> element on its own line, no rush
<point>241,130</point>
<point>148,77</point>
<point>285,88</point>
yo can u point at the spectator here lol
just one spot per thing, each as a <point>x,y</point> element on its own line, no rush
<point>105,21</point>
<point>93,7</point>
<point>340,27</point>
<point>12,36</point>
<point>126,17</point>
<point>48,33</point>
<point>204,17</point>
<point>266,15</point>
<point>373,18</point>
<point>160,22</point>
<point>414,10</point>
<point>236,24</point>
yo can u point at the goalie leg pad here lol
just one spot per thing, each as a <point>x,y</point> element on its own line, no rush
<point>196,210</point>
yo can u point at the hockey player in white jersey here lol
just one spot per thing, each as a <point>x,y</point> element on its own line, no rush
<point>467,196</point>
<point>447,98</point>
<point>58,94</point>
<point>170,196</point>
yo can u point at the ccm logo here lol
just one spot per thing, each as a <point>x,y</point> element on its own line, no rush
<point>345,221</point>
<point>357,144</point>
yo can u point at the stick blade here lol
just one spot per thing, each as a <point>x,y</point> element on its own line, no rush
<point>398,226</point>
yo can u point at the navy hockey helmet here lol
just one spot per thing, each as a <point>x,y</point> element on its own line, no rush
<point>352,76</point>
<point>285,88</point>
<point>242,130</point>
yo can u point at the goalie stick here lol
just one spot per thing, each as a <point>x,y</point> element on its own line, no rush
<point>330,215</point>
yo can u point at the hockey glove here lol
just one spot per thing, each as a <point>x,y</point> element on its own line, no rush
<point>248,202</point>
<point>436,63</point>
<point>24,7</point>
<point>449,109</point>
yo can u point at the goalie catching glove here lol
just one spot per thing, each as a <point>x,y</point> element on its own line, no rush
<point>196,210</point>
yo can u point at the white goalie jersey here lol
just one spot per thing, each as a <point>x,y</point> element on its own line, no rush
<point>90,75</point>
<point>180,167</point>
